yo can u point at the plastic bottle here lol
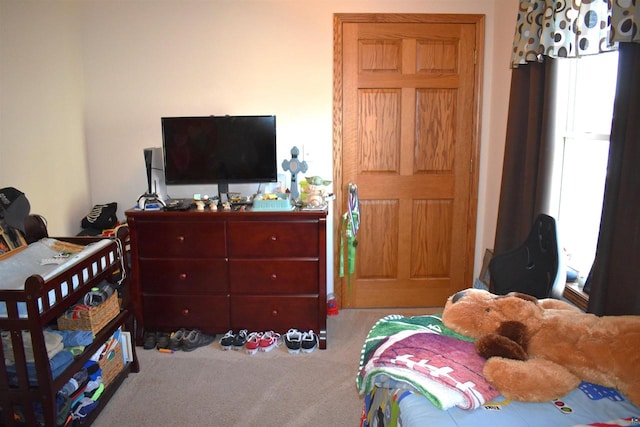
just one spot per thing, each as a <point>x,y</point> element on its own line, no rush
<point>98,295</point>
<point>78,379</point>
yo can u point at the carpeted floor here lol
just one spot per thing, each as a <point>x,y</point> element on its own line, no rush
<point>211,387</point>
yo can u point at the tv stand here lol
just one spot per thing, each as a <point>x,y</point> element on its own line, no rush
<point>221,270</point>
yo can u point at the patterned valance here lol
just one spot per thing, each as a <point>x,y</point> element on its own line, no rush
<point>565,29</point>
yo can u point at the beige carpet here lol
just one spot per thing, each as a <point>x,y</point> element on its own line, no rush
<point>211,387</point>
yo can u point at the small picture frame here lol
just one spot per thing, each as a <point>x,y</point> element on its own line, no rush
<point>11,240</point>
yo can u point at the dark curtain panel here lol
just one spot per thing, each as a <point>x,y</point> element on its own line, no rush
<point>528,153</point>
<point>614,280</point>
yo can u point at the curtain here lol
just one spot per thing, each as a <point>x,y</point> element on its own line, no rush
<point>556,29</point>
<point>625,19</point>
<point>528,154</point>
<point>614,281</point>
<point>566,29</point>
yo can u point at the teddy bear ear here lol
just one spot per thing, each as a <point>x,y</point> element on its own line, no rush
<point>495,345</point>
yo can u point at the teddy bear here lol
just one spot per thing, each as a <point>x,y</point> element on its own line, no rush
<point>540,350</point>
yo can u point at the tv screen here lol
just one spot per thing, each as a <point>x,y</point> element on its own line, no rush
<point>219,149</point>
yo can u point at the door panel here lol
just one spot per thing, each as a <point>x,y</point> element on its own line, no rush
<point>407,107</point>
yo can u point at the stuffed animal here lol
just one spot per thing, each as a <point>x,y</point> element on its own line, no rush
<point>540,350</point>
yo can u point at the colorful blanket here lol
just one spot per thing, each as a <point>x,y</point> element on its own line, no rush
<point>423,355</point>
<point>621,422</point>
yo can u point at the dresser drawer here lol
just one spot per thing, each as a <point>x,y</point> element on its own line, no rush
<point>181,239</point>
<point>263,313</point>
<point>169,313</point>
<point>273,239</point>
<point>273,277</point>
<point>184,276</point>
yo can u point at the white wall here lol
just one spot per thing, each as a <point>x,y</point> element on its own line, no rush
<point>126,64</point>
<point>42,144</point>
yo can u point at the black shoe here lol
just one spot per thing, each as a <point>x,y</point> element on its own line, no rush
<point>196,339</point>
<point>309,341</point>
<point>293,341</point>
<point>226,342</point>
<point>177,339</point>
<point>163,340</point>
<point>240,340</point>
<point>149,340</point>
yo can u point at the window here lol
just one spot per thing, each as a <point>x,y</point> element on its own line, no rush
<point>582,128</point>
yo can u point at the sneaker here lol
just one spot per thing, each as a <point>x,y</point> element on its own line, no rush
<point>196,339</point>
<point>226,342</point>
<point>293,341</point>
<point>240,340</point>
<point>177,339</point>
<point>253,342</point>
<point>269,341</point>
<point>149,341</point>
<point>309,341</point>
<point>162,341</point>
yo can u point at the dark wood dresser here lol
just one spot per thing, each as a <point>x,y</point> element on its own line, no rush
<point>221,270</point>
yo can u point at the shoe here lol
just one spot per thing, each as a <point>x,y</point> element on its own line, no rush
<point>196,339</point>
<point>309,341</point>
<point>240,339</point>
<point>149,340</point>
<point>269,341</point>
<point>293,341</point>
<point>226,342</point>
<point>163,340</point>
<point>177,339</point>
<point>253,342</point>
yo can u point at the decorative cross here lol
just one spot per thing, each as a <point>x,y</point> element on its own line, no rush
<point>294,166</point>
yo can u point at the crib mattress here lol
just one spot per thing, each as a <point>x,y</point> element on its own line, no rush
<point>15,270</point>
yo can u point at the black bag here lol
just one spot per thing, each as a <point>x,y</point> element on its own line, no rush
<point>101,217</point>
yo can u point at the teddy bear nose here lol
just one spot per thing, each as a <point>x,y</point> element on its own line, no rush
<point>457,296</point>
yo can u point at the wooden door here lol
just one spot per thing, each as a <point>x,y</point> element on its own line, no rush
<point>406,119</point>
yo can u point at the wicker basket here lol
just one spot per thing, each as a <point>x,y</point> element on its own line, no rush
<point>111,366</point>
<point>93,319</point>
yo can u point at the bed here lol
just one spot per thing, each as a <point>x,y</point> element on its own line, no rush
<point>33,294</point>
<point>414,371</point>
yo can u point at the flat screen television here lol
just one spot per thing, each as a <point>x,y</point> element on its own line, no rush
<point>219,150</point>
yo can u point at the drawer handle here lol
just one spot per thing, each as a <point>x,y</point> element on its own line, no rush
<point>182,276</point>
<point>180,239</point>
<point>274,276</point>
<point>274,238</point>
<point>185,311</point>
<point>274,313</point>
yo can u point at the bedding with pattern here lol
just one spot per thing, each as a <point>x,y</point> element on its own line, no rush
<point>414,371</point>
